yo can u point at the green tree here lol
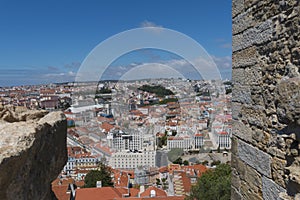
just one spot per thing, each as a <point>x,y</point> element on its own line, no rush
<point>186,163</point>
<point>213,185</point>
<point>103,174</point>
<point>215,162</point>
<point>178,161</point>
<point>205,162</point>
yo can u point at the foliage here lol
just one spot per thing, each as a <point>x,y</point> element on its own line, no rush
<point>103,90</point>
<point>204,93</point>
<point>174,154</point>
<point>103,174</point>
<point>185,163</point>
<point>165,101</point>
<point>228,91</point>
<point>178,161</point>
<point>215,162</point>
<point>213,185</point>
<point>205,162</point>
<point>158,181</point>
<point>227,83</point>
<point>157,89</point>
<point>162,141</point>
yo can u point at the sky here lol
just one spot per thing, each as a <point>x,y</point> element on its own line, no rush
<point>47,41</point>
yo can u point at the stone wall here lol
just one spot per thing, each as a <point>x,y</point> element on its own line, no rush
<point>266,99</point>
<point>32,152</point>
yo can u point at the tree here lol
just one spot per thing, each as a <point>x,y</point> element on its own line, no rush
<point>178,161</point>
<point>103,174</point>
<point>215,162</point>
<point>205,162</point>
<point>213,185</point>
<point>186,163</point>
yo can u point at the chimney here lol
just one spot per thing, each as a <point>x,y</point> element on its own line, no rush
<point>98,184</point>
<point>152,193</point>
<point>142,189</point>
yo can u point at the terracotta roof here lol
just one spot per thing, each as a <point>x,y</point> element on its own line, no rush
<point>159,192</point>
<point>163,169</point>
<point>60,192</point>
<point>104,193</point>
<point>106,126</point>
<point>223,133</point>
<point>154,198</point>
<point>121,179</point>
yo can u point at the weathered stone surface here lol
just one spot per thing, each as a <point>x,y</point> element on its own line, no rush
<point>244,58</point>
<point>270,189</point>
<point>266,92</point>
<point>256,35</point>
<point>254,157</point>
<point>236,108</point>
<point>32,153</point>
<point>235,195</point>
<point>237,7</point>
<point>248,193</point>
<point>288,100</point>
<point>278,168</point>
<point>254,115</point>
<point>242,22</point>
<point>241,94</point>
<point>242,131</point>
<point>248,76</point>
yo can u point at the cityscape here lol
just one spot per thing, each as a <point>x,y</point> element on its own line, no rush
<point>150,100</point>
<point>159,133</point>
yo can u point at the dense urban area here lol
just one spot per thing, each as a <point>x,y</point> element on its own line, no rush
<point>151,138</point>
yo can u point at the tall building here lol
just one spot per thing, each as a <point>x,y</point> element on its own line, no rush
<point>120,140</point>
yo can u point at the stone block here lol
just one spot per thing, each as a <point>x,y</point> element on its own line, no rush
<point>254,157</point>
<point>270,189</point>
<point>244,58</point>
<point>253,36</point>
<point>237,7</point>
<point>248,193</point>
<point>278,167</point>
<point>242,131</point>
<point>241,94</point>
<point>242,22</point>
<point>235,109</point>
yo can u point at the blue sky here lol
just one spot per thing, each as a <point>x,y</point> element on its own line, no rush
<point>45,41</point>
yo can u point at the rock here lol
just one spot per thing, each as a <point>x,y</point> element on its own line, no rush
<point>32,152</point>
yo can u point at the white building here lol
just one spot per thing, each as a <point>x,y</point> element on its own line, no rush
<point>132,159</point>
<point>120,141</point>
<point>185,142</point>
<point>224,140</point>
<point>199,142</point>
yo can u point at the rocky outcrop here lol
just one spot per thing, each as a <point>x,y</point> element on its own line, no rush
<point>32,152</point>
<point>266,99</point>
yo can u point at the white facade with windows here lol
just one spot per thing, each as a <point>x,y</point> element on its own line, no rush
<point>122,141</point>
<point>80,162</point>
<point>224,140</point>
<point>132,160</point>
<point>185,143</point>
<point>199,142</point>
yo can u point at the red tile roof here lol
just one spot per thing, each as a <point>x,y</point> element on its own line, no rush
<point>159,192</point>
<point>106,126</point>
<point>104,193</point>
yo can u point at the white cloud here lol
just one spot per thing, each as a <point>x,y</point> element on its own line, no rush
<point>147,24</point>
